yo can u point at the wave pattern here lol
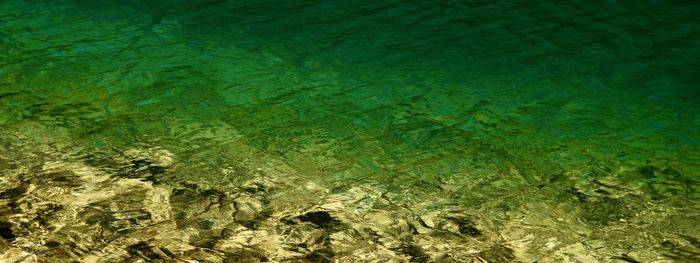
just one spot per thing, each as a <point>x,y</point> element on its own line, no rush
<point>523,130</point>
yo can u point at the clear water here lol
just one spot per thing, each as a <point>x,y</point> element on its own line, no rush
<point>556,126</point>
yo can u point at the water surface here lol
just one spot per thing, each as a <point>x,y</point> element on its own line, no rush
<point>396,130</point>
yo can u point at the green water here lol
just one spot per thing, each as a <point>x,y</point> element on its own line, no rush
<point>507,109</point>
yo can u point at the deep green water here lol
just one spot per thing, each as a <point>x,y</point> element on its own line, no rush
<point>490,105</point>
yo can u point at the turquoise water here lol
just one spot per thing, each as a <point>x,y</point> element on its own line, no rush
<point>585,113</point>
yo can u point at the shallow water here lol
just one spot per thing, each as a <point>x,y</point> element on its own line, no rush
<point>377,131</point>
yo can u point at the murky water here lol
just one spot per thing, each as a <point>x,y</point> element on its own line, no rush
<point>350,131</point>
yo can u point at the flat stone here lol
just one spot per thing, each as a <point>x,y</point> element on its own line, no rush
<point>248,210</point>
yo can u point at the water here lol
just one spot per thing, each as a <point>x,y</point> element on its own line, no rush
<point>393,130</point>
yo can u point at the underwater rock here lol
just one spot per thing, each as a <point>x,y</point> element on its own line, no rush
<point>248,211</point>
<point>605,210</point>
<point>498,254</point>
<point>320,219</point>
<point>6,231</point>
<point>414,252</point>
<point>154,156</point>
<point>245,256</point>
<point>462,225</point>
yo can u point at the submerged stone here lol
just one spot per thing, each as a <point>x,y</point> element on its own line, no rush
<point>465,226</point>
<point>320,218</point>
<point>498,254</point>
<point>414,252</point>
<point>249,210</point>
<point>6,231</point>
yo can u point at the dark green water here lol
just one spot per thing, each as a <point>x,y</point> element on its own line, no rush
<point>584,113</point>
